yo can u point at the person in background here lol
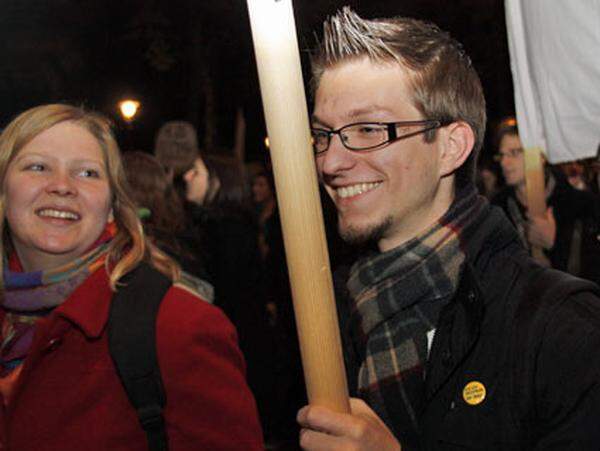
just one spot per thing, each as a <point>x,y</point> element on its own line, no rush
<point>70,234</point>
<point>574,171</point>
<point>263,197</point>
<point>453,337</point>
<point>176,148</point>
<point>569,232</point>
<point>488,183</point>
<point>163,216</point>
<point>219,204</point>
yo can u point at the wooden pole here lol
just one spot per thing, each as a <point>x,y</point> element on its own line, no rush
<point>286,114</point>
<point>536,193</point>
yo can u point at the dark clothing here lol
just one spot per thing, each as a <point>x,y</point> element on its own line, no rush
<point>533,352</point>
<point>229,242</point>
<point>577,213</point>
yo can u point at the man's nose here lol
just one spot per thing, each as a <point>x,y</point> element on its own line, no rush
<point>336,158</point>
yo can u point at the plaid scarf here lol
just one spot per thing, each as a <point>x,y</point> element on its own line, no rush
<point>395,298</point>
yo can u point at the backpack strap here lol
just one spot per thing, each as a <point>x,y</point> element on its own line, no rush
<point>132,346</point>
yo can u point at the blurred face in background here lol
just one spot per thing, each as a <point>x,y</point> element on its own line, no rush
<point>261,190</point>
<point>58,197</point>
<point>197,181</point>
<point>512,160</point>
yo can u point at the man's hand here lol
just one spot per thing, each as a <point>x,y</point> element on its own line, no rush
<point>325,430</point>
<point>541,231</point>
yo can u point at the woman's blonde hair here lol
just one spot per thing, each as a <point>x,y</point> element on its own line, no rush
<point>130,246</point>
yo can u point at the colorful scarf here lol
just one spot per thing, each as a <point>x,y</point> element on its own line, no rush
<point>31,296</point>
<point>396,298</point>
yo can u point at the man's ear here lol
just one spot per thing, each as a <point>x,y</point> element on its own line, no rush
<point>458,141</point>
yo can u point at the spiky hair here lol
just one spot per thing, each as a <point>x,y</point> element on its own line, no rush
<point>444,84</point>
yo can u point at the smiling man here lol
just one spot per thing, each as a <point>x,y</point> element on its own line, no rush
<point>453,337</point>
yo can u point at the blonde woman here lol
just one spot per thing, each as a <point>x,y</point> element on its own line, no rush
<point>70,233</point>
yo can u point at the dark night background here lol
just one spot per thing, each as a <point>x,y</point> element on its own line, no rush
<point>191,59</point>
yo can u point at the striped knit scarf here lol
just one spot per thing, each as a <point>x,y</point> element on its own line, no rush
<point>396,298</point>
<point>33,295</point>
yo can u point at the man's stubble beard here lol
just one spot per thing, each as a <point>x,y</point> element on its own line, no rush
<point>370,233</point>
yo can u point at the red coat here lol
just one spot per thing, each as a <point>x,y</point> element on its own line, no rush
<point>69,397</point>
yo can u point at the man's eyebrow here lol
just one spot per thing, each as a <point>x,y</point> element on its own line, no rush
<point>366,110</point>
<point>355,113</point>
<point>314,119</point>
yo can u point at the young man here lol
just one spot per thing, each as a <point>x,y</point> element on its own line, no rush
<point>453,337</point>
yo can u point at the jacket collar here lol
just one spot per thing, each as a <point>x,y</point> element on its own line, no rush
<point>88,306</point>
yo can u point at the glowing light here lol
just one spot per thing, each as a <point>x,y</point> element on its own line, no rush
<point>129,109</point>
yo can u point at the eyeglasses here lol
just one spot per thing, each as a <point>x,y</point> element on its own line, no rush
<point>370,135</point>
<point>512,153</point>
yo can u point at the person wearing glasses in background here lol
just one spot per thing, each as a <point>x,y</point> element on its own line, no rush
<point>453,337</point>
<point>569,233</point>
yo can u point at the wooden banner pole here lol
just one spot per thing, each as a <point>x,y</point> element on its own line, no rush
<point>286,114</point>
<point>536,193</point>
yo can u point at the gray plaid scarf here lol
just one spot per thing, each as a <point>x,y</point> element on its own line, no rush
<point>396,298</point>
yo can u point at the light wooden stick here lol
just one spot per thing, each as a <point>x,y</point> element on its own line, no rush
<point>536,193</point>
<point>286,114</point>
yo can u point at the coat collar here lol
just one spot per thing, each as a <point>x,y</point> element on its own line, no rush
<point>88,306</point>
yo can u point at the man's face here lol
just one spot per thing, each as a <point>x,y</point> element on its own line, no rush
<point>388,194</point>
<point>512,160</point>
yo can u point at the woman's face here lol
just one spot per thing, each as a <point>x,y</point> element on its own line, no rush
<point>58,197</point>
<point>261,191</point>
<point>196,180</point>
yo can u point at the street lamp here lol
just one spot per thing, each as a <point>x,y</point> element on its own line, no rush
<point>129,109</point>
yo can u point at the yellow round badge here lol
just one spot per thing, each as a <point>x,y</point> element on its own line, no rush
<point>474,393</point>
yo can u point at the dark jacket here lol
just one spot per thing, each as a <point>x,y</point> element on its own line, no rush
<point>572,210</point>
<point>526,335</point>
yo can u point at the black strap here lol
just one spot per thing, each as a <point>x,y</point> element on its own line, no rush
<point>132,345</point>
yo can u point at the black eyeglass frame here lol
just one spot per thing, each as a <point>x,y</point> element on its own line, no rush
<point>430,124</point>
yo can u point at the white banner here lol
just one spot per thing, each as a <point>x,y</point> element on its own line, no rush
<point>555,60</point>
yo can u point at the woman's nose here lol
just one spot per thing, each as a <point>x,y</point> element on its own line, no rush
<point>61,183</point>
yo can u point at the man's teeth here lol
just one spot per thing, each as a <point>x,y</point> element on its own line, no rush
<point>353,190</point>
<point>58,214</point>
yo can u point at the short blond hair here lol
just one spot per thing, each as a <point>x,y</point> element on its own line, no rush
<point>130,246</point>
<point>445,85</point>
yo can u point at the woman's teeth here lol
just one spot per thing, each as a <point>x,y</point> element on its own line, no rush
<point>51,213</point>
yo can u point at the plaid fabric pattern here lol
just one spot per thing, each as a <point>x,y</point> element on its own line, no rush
<point>396,298</point>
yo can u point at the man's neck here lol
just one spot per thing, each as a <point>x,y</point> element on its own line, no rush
<point>438,207</point>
